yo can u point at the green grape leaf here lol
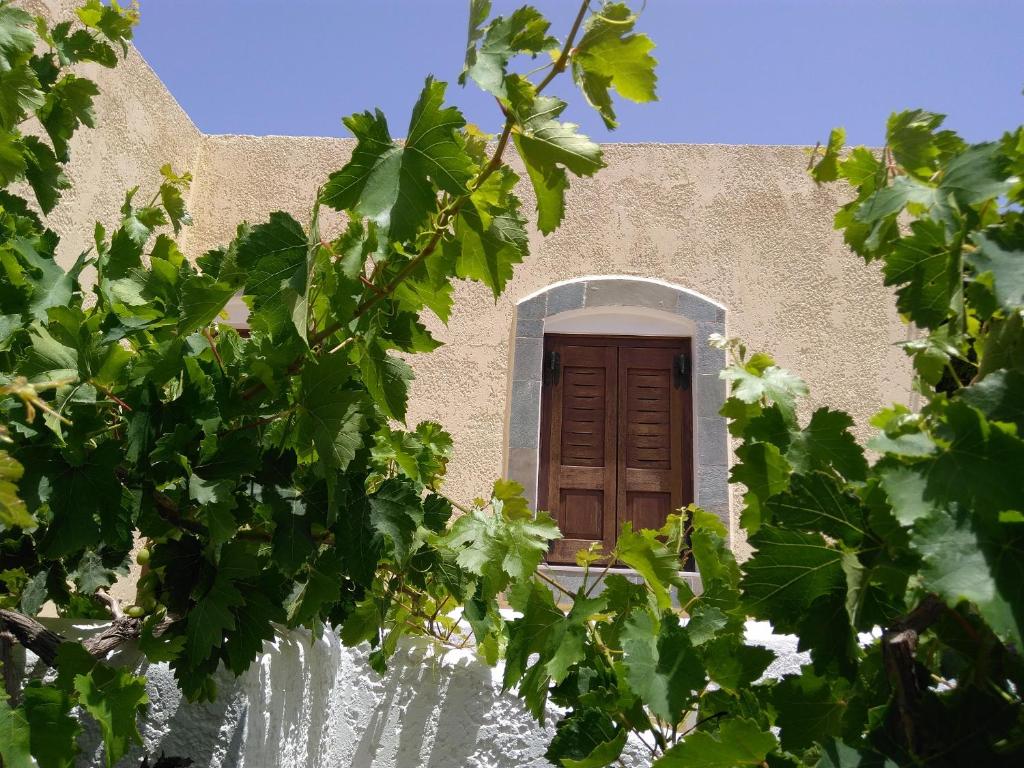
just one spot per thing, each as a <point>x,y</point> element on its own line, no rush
<point>773,384</point>
<point>737,742</point>
<point>390,184</point>
<point>113,21</point>
<point>976,175</point>
<point>765,472</point>
<point>489,243</point>
<point>586,738</point>
<point>321,590</point>
<point>817,503</point>
<point>15,732</point>
<point>53,730</point>
<point>715,613</point>
<point>920,264</point>
<point>567,645</point>
<point>292,542</point>
<point>68,104</point>
<point>973,470</point>
<point>17,36</point>
<point>12,158</point>
<point>731,664</point>
<point>507,499</point>
<point>51,285</point>
<point>906,489</point>
<point>44,173</point>
<point>164,647</point>
<point>19,94</point>
<point>362,624</point>
<point>525,542</point>
<point>664,669</point>
<point>1000,396</point>
<point>889,201</point>
<point>78,496</point>
<point>13,513</point>
<point>810,708</point>
<point>531,634</point>
<point>658,565</point>
<point>911,135</point>
<point>395,513</point>
<point>254,625</point>
<point>274,258</point>
<point>476,540</point>
<point>789,571</point>
<point>34,594</point>
<point>525,31</point>
<point>330,417</point>
<point>828,168</point>
<point>115,698</point>
<point>429,284</point>
<point>479,10</point>
<point>386,378</point>
<point>211,617</point>
<point>357,541</point>
<point>80,45</point>
<point>611,56</point>
<point>966,558</point>
<point>1005,266</point>
<point>827,442</point>
<point>202,299</point>
<point>836,754</point>
<point>92,573</point>
<point>548,149</point>
<point>173,199</point>
<point>406,333</point>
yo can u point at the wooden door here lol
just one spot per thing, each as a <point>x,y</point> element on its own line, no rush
<point>616,436</point>
<point>580,414</point>
<point>654,435</point>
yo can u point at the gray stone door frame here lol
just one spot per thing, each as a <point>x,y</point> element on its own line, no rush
<point>689,312</point>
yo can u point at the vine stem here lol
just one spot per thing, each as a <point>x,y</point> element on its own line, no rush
<point>111,396</point>
<point>213,348</point>
<point>445,216</point>
<point>540,575</point>
<point>259,422</point>
<point>601,575</point>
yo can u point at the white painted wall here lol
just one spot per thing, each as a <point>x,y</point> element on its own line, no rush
<point>315,704</point>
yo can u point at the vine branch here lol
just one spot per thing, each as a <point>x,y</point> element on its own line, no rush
<point>445,216</point>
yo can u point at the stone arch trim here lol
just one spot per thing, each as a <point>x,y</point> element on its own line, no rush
<point>599,295</point>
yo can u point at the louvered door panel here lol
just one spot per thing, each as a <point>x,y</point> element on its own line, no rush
<point>616,437</point>
<point>654,434</point>
<point>579,465</point>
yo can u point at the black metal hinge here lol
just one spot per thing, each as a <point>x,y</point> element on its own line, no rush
<point>683,371</point>
<point>552,366</point>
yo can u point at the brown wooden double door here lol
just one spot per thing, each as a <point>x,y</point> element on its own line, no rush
<point>616,436</point>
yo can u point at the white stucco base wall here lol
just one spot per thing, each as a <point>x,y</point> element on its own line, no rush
<point>314,703</point>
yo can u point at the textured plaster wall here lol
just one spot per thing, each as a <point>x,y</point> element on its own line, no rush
<point>314,703</point>
<point>743,225</point>
<point>139,128</point>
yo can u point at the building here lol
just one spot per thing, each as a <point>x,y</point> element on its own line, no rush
<point>668,245</point>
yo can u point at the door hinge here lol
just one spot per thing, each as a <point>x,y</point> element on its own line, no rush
<point>552,366</point>
<point>683,370</point>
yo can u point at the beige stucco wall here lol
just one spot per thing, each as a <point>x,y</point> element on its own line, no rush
<point>743,225</point>
<point>139,128</point>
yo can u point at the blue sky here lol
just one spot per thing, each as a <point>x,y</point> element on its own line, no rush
<point>731,71</point>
